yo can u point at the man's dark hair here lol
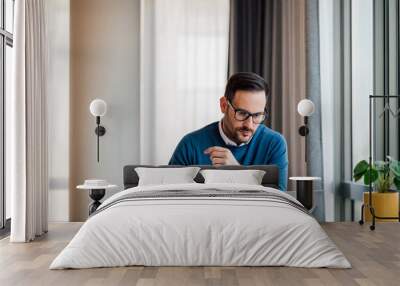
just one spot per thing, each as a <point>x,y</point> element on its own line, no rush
<point>247,81</point>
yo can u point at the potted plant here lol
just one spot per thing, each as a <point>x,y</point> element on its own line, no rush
<point>385,178</point>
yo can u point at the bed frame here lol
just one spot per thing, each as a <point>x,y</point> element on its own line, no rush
<point>270,179</point>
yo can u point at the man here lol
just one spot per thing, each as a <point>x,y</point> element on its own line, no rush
<point>240,138</point>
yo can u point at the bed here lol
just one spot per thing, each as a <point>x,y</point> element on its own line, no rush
<point>201,224</point>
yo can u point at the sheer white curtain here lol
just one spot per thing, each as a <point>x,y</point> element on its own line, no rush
<point>184,56</point>
<point>329,80</point>
<point>28,124</point>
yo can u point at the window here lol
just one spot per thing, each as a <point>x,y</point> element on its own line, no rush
<point>362,76</point>
<point>372,67</point>
<point>6,60</point>
<point>386,127</point>
<point>375,70</point>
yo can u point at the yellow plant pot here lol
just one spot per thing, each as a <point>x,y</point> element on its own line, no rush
<point>385,205</point>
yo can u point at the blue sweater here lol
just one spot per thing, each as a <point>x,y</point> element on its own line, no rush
<point>267,147</point>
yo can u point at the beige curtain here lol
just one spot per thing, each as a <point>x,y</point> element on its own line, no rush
<point>288,79</point>
<point>269,38</point>
<point>28,122</point>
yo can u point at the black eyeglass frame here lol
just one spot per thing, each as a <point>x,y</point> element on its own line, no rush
<point>236,110</point>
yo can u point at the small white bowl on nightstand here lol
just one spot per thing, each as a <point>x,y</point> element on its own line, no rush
<point>95,184</point>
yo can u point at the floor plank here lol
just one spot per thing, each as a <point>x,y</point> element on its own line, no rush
<point>375,257</point>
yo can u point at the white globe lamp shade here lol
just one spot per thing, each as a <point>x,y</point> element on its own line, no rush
<point>305,107</point>
<point>98,107</point>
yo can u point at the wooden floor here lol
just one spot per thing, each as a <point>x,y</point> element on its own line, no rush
<point>375,257</point>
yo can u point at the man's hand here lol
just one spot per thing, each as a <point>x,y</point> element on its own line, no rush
<point>221,156</point>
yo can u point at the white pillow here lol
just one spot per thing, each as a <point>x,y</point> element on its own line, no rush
<point>249,177</point>
<point>163,176</point>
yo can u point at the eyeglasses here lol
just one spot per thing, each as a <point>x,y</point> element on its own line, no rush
<point>243,115</point>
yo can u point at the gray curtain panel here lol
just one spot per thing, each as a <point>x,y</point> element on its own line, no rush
<point>268,38</point>
<point>314,146</point>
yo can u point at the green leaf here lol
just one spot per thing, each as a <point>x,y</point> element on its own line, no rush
<point>395,167</point>
<point>371,175</point>
<point>357,177</point>
<point>396,182</point>
<point>360,169</point>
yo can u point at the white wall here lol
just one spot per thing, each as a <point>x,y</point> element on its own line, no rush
<point>104,64</point>
<point>58,108</point>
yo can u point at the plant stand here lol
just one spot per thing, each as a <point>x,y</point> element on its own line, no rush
<point>369,205</point>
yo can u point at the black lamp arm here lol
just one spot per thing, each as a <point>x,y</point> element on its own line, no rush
<point>303,131</point>
<point>100,131</point>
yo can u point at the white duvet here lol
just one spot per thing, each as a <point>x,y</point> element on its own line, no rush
<point>200,231</point>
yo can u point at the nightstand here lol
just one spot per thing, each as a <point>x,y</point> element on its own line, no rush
<point>304,191</point>
<point>97,190</point>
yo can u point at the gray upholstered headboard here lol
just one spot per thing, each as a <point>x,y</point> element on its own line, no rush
<point>271,177</point>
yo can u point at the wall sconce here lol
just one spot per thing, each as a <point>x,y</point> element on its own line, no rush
<point>305,108</point>
<point>98,108</point>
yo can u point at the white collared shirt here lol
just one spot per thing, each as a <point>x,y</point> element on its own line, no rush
<point>228,141</point>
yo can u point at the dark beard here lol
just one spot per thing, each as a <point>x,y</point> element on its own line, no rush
<point>234,135</point>
<point>239,130</point>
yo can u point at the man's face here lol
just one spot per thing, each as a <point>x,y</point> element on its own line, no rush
<point>250,101</point>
